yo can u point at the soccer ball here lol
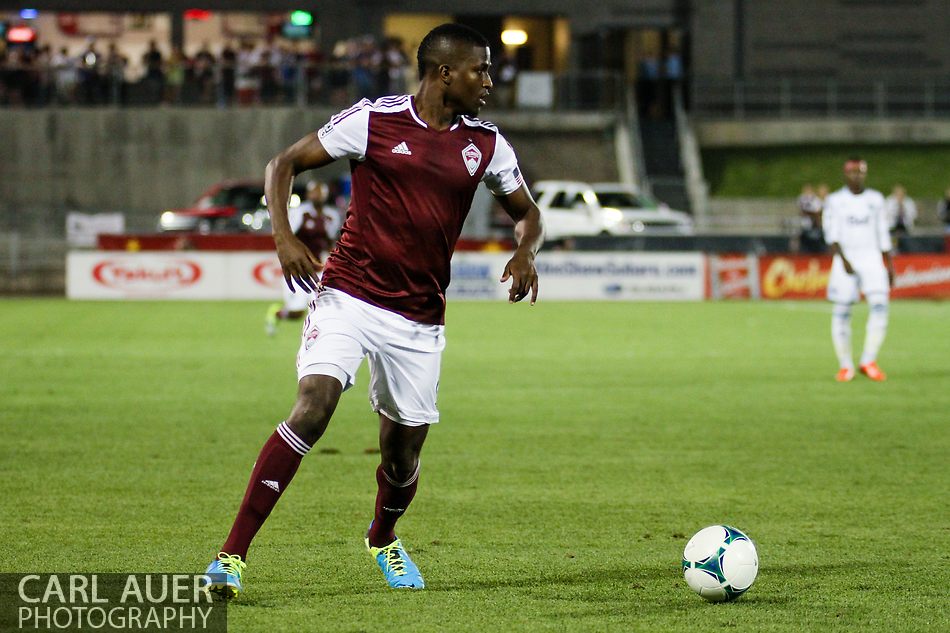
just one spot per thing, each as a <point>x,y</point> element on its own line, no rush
<point>720,563</point>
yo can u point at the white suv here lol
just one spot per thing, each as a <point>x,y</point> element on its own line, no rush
<point>571,208</point>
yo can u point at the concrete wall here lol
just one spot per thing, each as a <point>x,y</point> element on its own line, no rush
<point>824,131</point>
<point>141,161</point>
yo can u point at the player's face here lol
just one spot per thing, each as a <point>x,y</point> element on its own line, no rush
<point>854,177</point>
<point>472,83</point>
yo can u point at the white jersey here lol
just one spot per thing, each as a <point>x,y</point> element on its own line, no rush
<point>296,214</point>
<point>857,222</point>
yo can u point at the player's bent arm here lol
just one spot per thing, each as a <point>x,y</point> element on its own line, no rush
<point>529,235</point>
<point>297,262</point>
<point>520,207</point>
<point>307,153</point>
<point>836,250</point>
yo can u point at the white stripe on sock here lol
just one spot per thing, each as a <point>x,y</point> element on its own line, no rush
<point>408,482</point>
<point>297,444</point>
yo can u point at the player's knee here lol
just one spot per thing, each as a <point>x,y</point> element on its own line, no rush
<point>316,402</point>
<point>841,311</point>
<point>402,469</point>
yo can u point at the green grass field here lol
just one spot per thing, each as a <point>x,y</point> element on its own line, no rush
<point>580,446</point>
<point>780,172</point>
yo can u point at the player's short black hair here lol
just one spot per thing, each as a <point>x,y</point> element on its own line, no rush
<point>455,33</point>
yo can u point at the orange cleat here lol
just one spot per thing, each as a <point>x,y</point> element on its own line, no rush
<point>845,374</point>
<point>872,371</point>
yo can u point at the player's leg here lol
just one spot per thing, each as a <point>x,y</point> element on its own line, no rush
<point>330,355</point>
<point>841,340</point>
<point>397,476</point>
<point>876,288</point>
<point>878,305</point>
<point>842,292</point>
<point>276,465</point>
<point>403,389</point>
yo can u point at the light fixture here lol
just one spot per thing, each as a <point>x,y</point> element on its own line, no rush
<point>513,37</point>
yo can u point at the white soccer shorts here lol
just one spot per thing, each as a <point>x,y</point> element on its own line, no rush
<point>405,357</point>
<point>870,277</point>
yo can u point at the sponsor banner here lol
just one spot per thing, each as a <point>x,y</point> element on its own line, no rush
<point>733,277</point>
<point>802,277</point>
<point>254,276</point>
<point>794,276</point>
<point>587,276</point>
<point>118,275</point>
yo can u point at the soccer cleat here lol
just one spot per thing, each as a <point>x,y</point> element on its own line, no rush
<point>872,371</point>
<point>270,319</point>
<point>224,575</point>
<point>398,568</point>
<point>845,374</point>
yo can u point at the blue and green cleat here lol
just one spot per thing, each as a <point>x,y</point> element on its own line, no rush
<point>224,575</point>
<point>397,567</point>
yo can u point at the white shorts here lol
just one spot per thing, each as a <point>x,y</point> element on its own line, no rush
<point>870,277</point>
<point>405,357</point>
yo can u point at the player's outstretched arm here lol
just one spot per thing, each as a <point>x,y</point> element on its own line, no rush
<point>296,260</point>
<point>528,233</point>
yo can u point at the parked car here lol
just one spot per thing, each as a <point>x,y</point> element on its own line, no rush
<point>229,206</point>
<point>572,209</point>
<point>641,213</point>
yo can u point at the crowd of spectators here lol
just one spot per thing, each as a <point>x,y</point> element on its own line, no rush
<point>239,73</point>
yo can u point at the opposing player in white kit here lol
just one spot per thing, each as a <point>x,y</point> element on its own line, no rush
<point>416,161</point>
<point>856,227</point>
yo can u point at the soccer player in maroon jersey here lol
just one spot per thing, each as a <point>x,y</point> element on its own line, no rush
<point>416,161</point>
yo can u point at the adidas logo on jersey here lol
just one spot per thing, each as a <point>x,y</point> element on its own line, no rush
<point>402,148</point>
<point>273,485</point>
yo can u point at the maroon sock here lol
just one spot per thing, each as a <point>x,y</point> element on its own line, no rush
<point>275,467</point>
<point>392,499</point>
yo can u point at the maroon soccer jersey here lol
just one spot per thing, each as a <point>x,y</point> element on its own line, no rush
<point>412,189</point>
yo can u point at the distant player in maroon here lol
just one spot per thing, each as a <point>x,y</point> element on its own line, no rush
<point>416,162</point>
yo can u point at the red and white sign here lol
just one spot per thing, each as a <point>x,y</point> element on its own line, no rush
<point>802,277</point>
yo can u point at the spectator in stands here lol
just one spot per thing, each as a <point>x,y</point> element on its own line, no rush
<point>226,76</point>
<point>175,68</point>
<point>247,82</point>
<point>202,75</point>
<point>113,74</point>
<point>65,76</point>
<point>811,238</point>
<point>153,83</point>
<point>943,210</point>
<point>90,62</point>
<point>901,211</point>
<point>392,69</point>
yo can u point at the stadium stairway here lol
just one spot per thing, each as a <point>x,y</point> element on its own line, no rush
<point>662,156</point>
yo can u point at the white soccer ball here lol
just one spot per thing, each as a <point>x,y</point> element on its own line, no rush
<point>720,563</point>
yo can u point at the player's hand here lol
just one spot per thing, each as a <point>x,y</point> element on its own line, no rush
<point>891,277</point>
<point>847,266</point>
<point>524,277</point>
<point>299,264</point>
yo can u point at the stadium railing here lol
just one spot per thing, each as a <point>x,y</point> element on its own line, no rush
<point>723,97</point>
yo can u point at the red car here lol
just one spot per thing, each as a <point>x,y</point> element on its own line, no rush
<point>229,206</point>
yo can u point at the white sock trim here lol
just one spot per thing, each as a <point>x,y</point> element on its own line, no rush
<point>408,482</point>
<point>293,441</point>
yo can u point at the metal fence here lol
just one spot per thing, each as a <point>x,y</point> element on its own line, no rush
<point>300,84</point>
<point>791,97</point>
<point>32,264</point>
